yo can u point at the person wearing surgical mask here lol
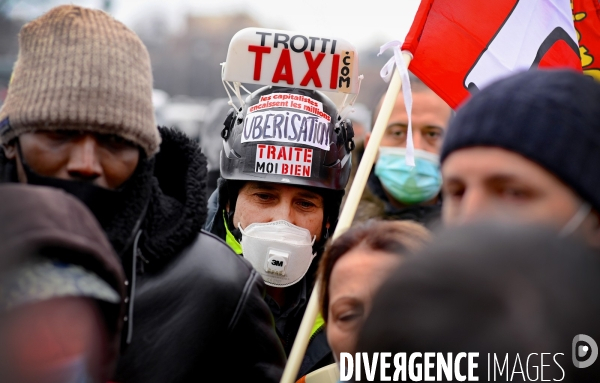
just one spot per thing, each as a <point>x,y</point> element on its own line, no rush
<point>526,149</point>
<point>283,176</point>
<point>395,189</point>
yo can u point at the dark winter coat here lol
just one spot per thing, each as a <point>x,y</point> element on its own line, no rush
<point>197,310</point>
<point>374,204</point>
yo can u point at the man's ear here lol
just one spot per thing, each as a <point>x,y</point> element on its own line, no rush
<point>10,150</point>
<point>327,235</point>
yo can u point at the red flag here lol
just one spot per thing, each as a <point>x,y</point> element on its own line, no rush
<point>586,14</point>
<point>462,46</point>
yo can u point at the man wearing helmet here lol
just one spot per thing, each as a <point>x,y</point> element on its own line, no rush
<point>284,165</point>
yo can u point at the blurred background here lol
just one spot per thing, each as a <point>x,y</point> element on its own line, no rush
<point>188,39</point>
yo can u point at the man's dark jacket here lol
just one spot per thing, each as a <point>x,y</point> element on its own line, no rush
<point>197,311</point>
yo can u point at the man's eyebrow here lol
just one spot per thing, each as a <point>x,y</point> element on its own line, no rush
<point>393,124</point>
<point>494,178</point>
<point>438,127</point>
<point>346,299</point>
<point>261,186</point>
<point>309,194</point>
<point>501,178</point>
<point>270,187</point>
<point>454,179</point>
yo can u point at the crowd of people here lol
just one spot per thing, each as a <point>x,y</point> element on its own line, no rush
<point>117,266</point>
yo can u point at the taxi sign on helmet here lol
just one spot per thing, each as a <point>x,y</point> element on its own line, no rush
<point>289,59</point>
<point>283,58</point>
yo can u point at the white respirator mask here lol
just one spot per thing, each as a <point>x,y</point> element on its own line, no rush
<point>280,251</point>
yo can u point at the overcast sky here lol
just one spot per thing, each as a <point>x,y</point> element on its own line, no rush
<point>360,22</point>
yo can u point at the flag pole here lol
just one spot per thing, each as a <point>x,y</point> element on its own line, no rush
<point>346,217</point>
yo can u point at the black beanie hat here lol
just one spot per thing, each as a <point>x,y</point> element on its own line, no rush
<point>551,117</point>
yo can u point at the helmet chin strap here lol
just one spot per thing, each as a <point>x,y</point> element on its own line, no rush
<point>237,233</point>
<point>229,198</point>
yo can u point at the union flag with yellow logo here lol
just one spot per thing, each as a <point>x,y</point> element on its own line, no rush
<point>586,15</point>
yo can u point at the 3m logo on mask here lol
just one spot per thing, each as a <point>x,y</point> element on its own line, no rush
<point>280,251</point>
<point>276,262</point>
<point>585,351</point>
<point>284,160</point>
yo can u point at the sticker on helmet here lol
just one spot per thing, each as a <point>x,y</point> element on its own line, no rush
<point>292,101</point>
<point>282,58</point>
<point>284,160</point>
<point>289,126</point>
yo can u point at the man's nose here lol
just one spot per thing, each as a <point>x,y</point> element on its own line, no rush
<point>283,211</point>
<point>475,206</point>
<point>84,163</point>
<point>418,140</point>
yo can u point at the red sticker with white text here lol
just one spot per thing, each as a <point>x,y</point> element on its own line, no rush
<point>283,160</point>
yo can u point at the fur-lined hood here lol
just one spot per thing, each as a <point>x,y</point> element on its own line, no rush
<point>177,208</point>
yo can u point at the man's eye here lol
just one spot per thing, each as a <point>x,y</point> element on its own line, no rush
<point>61,135</point>
<point>306,204</point>
<point>516,193</point>
<point>114,141</point>
<point>349,316</point>
<point>263,196</point>
<point>453,192</point>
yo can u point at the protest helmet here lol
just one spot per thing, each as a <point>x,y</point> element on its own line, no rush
<point>290,136</point>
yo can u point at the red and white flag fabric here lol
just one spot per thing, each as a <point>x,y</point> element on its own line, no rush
<point>461,46</point>
<point>586,14</point>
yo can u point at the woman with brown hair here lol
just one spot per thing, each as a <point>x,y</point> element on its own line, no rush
<point>354,267</point>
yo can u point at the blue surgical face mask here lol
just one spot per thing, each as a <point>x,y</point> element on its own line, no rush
<point>409,185</point>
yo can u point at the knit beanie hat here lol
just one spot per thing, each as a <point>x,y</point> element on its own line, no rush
<point>551,117</point>
<point>80,69</point>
